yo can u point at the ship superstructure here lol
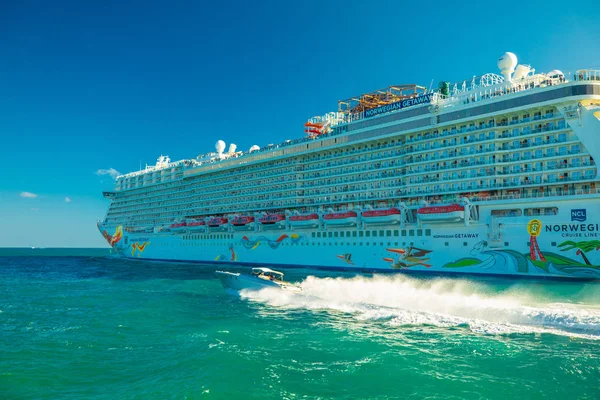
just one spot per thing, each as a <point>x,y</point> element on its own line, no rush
<point>495,175</point>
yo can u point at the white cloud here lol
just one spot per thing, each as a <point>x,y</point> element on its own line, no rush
<point>67,199</point>
<point>28,195</point>
<point>111,171</point>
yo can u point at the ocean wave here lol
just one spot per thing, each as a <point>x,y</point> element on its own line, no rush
<point>404,301</point>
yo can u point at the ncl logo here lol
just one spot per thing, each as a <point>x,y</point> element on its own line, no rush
<point>578,215</point>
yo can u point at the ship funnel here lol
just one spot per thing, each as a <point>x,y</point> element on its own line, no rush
<point>220,146</point>
<point>507,64</point>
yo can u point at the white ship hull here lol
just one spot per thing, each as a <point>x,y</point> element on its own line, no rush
<point>247,227</point>
<point>304,224</point>
<point>341,221</point>
<point>274,226</point>
<point>500,246</point>
<point>382,219</point>
<point>442,217</point>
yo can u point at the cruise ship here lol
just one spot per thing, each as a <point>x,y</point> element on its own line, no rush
<point>495,175</point>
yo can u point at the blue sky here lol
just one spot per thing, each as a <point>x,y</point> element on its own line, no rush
<point>91,86</point>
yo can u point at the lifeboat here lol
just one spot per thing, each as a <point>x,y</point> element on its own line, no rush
<point>195,225</point>
<point>381,216</point>
<point>272,221</point>
<point>242,222</point>
<point>448,213</point>
<point>159,229</point>
<point>217,223</point>
<point>345,218</point>
<point>177,227</point>
<point>303,220</point>
<point>136,229</point>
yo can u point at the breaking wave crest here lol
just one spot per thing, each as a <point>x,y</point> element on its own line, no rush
<point>404,301</point>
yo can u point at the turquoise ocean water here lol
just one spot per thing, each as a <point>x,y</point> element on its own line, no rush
<point>98,327</point>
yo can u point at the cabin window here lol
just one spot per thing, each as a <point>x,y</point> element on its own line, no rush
<point>395,233</point>
<point>335,234</point>
<point>354,234</point>
<point>360,234</point>
<point>419,232</point>
<point>388,233</point>
<point>403,232</point>
<point>541,211</point>
<point>380,233</point>
<point>411,232</point>
<point>514,212</point>
<point>427,232</point>
<point>446,244</point>
<point>368,233</point>
<point>374,233</point>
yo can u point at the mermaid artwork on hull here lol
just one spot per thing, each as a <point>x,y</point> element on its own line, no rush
<point>410,257</point>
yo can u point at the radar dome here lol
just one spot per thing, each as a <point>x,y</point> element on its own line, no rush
<point>232,148</point>
<point>521,72</point>
<point>220,146</point>
<point>254,148</point>
<point>507,64</point>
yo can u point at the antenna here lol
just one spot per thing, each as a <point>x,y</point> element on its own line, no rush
<point>430,85</point>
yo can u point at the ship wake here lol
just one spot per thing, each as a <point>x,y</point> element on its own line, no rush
<point>400,301</point>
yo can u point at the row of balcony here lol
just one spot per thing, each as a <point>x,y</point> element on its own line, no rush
<point>419,159</point>
<point>326,198</point>
<point>379,146</point>
<point>357,173</point>
<point>386,175</point>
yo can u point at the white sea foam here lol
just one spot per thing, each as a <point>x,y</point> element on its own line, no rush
<point>404,301</point>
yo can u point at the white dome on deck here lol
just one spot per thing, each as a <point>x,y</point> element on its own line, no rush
<point>507,64</point>
<point>555,73</point>
<point>220,146</point>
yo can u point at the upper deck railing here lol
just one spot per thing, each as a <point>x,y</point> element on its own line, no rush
<point>483,93</point>
<point>150,169</point>
<point>461,96</point>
